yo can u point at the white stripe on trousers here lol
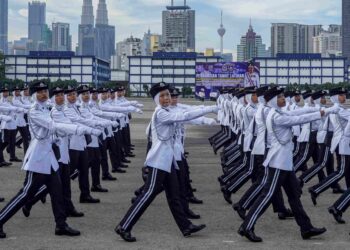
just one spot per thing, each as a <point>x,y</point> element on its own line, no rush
<point>306,152</point>
<point>322,165</point>
<point>343,203</point>
<point>248,173</point>
<point>258,189</point>
<point>296,149</point>
<point>236,169</point>
<point>143,200</point>
<point>266,199</point>
<point>21,196</point>
<point>339,175</point>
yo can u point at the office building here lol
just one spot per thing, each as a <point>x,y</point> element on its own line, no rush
<point>179,28</point>
<point>61,38</point>
<point>3,26</point>
<point>37,23</point>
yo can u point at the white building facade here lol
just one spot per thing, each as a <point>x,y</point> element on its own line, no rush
<point>57,66</point>
<point>301,69</point>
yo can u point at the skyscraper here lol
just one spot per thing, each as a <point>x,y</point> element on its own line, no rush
<point>251,46</point>
<point>346,29</point>
<point>293,37</point>
<point>104,33</point>
<point>86,39</point>
<point>36,21</point>
<point>179,27</point>
<point>3,25</point>
<point>61,38</point>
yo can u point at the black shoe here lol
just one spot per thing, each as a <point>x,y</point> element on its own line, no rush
<point>286,214</point>
<point>227,195</point>
<point>338,190</point>
<point>194,200</point>
<point>313,197</point>
<point>194,190</point>
<point>26,211</point>
<point>130,155</point>
<point>191,215</point>
<point>89,199</point>
<point>133,199</point>
<point>312,232</point>
<point>192,229</point>
<point>336,214</point>
<point>68,231</point>
<point>2,233</point>
<point>75,213</point>
<point>241,211</point>
<point>118,170</point>
<point>109,177</point>
<point>98,189</point>
<point>43,199</point>
<point>18,146</point>
<point>5,164</point>
<point>2,199</point>
<point>15,160</point>
<point>123,166</point>
<point>249,234</point>
<point>125,235</point>
<point>125,161</point>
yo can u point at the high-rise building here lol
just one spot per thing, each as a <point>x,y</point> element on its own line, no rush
<point>104,33</point>
<point>151,43</point>
<point>179,27</point>
<point>61,38</point>
<point>293,37</point>
<point>328,43</point>
<point>3,25</point>
<point>86,40</point>
<point>131,46</point>
<point>346,29</point>
<point>251,46</point>
<point>36,22</point>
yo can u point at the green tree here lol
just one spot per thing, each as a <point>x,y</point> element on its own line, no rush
<point>2,67</point>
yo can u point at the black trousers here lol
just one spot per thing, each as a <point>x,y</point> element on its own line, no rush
<point>79,160</point>
<point>156,182</point>
<point>234,185</point>
<point>32,184</point>
<point>125,140</point>
<point>253,192</point>
<point>94,164</point>
<point>237,169</point>
<point>10,141</point>
<point>104,157</point>
<point>277,178</point>
<point>2,147</point>
<point>343,169</point>
<point>64,173</point>
<point>113,152</point>
<point>183,185</point>
<point>118,137</point>
<point>24,132</point>
<point>325,159</point>
<point>308,150</point>
<point>343,202</point>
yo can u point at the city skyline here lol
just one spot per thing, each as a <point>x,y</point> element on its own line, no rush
<point>135,17</point>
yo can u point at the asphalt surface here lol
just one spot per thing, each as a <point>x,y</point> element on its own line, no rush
<point>156,228</point>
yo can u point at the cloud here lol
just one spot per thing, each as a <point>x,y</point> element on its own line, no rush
<point>23,12</point>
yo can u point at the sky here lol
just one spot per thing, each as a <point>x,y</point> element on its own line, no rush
<point>134,17</point>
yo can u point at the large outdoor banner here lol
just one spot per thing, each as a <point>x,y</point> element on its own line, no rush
<point>211,77</point>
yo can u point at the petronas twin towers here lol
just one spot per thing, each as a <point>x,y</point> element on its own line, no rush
<point>96,39</point>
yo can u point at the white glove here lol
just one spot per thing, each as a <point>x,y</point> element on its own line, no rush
<point>139,111</point>
<point>331,110</point>
<point>6,118</point>
<point>134,102</point>
<point>139,105</point>
<point>212,122</point>
<point>96,132</point>
<point>82,130</point>
<point>115,124</point>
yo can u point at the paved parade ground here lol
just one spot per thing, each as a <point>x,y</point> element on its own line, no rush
<point>157,229</point>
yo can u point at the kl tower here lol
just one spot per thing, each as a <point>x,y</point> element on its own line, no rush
<point>221,32</point>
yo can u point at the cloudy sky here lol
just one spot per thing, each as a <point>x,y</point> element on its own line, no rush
<point>135,16</point>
